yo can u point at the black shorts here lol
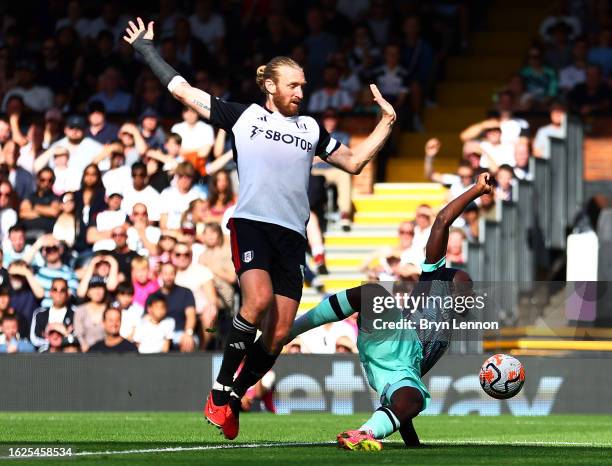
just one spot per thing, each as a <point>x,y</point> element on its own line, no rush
<point>278,250</point>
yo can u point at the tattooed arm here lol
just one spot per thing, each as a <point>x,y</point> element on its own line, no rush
<point>193,97</point>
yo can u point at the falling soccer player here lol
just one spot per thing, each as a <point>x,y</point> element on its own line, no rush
<point>396,357</point>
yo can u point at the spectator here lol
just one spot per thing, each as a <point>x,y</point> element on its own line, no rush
<point>330,94</point>
<point>150,129</point>
<point>504,178</point>
<point>197,137</point>
<point>99,129</point>
<point>39,210</point>
<point>339,178</point>
<point>57,339</point>
<point>112,97</point>
<point>592,96</point>
<point>556,128</point>
<point>208,26</point>
<point>154,331</point>
<point>540,80</point>
<point>454,249</point>
<point>58,311</point>
<point>83,149</point>
<point>217,258</point>
<point>141,192</point>
<point>575,72</point>
<point>53,267</point>
<point>348,80</point>
<point>319,44</point>
<point>74,19</point>
<point>392,79</point>
<point>143,281</point>
<point>364,53</point>
<point>220,196</point>
<point>66,177</point>
<point>394,264</point>
<point>322,340</point>
<point>36,97</point>
<point>423,219</point>
<point>417,58</point>
<point>5,298</point>
<point>122,252</point>
<point>111,20</point>
<point>99,233</point>
<point>52,131</point>
<point>189,49</point>
<point>379,21</point>
<point>66,228</point>
<point>601,54</point>
<point>142,236</point>
<point>471,220</point>
<point>458,183</point>
<point>112,342</point>
<point>494,152</point>
<point>522,156</point>
<point>275,39</point>
<point>21,180</point>
<point>8,216</point>
<point>16,247</point>
<point>131,313</point>
<point>89,202</point>
<point>182,308</point>
<point>175,200</point>
<point>10,340</point>
<point>118,175</point>
<point>558,53</point>
<point>88,326</point>
<point>25,293</point>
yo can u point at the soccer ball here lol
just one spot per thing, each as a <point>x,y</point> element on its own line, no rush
<point>502,376</point>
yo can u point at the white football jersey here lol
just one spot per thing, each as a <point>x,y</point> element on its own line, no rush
<point>274,155</point>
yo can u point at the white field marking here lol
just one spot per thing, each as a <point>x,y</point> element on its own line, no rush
<point>238,446</point>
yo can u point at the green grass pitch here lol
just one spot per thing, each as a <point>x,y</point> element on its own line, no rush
<point>306,439</point>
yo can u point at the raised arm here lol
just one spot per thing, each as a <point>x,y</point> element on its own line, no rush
<point>354,160</point>
<point>432,147</point>
<point>438,238</point>
<point>141,38</point>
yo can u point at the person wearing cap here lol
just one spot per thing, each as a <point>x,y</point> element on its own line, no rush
<point>99,129</point>
<point>36,97</point>
<point>59,311</point>
<point>88,317</point>
<point>66,177</point>
<point>82,149</point>
<point>112,342</point>
<point>10,339</point>
<point>57,338</point>
<point>149,127</point>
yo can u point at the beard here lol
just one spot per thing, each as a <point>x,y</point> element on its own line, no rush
<point>286,108</point>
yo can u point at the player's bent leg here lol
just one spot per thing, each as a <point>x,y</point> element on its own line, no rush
<point>257,295</point>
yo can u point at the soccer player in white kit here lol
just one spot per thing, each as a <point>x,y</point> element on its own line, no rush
<point>274,148</point>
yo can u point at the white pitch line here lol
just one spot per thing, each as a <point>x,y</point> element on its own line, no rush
<point>238,446</point>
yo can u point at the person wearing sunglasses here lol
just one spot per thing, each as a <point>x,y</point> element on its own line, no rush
<point>58,311</point>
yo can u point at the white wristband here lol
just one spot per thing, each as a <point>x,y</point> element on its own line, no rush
<point>175,82</point>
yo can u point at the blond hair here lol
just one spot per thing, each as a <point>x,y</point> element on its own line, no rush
<point>270,70</point>
<point>140,263</point>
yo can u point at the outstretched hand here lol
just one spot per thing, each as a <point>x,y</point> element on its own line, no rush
<point>485,183</point>
<point>432,147</point>
<point>134,31</point>
<point>387,109</point>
